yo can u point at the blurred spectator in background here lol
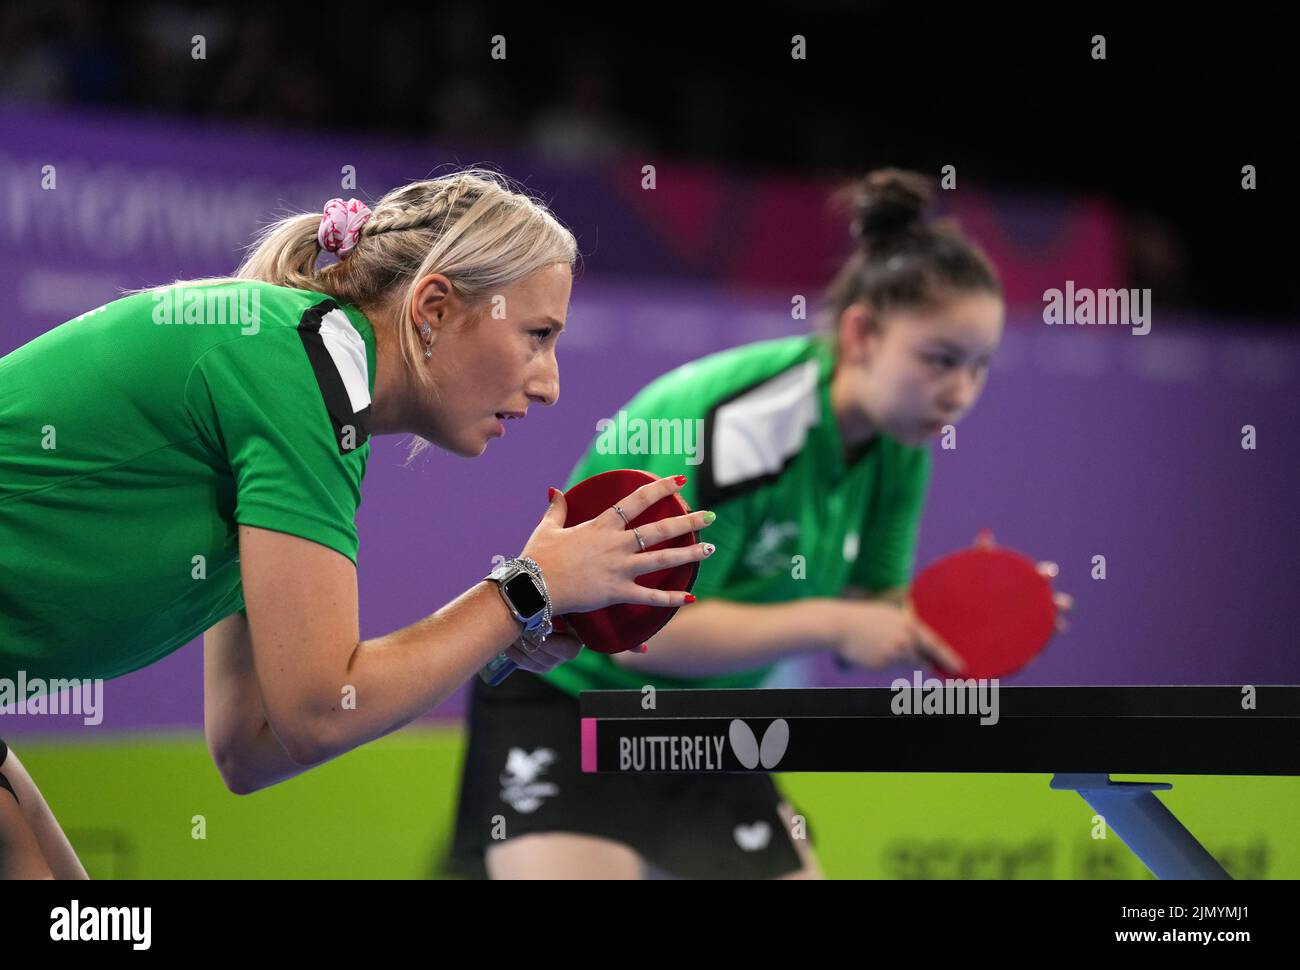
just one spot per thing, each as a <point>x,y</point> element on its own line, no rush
<point>582,126</point>
<point>30,68</point>
<point>93,69</point>
<point>1157,259</point>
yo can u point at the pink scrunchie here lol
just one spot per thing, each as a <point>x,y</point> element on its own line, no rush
<point>340,226</point>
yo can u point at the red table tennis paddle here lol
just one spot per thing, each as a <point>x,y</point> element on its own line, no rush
<point>990,604</point>
<point>623,626</point>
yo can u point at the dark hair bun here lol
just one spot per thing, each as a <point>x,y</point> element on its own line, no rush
<point>889,204</point>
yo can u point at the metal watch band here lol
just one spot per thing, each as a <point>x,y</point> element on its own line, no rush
<point>543,629</point>
<point>537,626</point>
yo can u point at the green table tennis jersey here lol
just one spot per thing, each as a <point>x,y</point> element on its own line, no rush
<point>137,437</point>
<point>753,430</point>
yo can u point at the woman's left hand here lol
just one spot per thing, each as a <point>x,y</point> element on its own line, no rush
<point>1064,601</point>
<point>1049,570</point>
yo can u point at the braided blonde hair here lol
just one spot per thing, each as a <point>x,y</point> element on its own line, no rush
<point>473,226</point>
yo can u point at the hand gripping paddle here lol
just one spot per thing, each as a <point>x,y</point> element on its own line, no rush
<point>990,604</point>
<point>622,626</point>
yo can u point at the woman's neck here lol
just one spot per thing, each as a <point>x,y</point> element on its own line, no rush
<point>388,406</point>
<point>856,429</point>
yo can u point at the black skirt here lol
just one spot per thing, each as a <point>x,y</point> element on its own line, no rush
<point>522,775</point>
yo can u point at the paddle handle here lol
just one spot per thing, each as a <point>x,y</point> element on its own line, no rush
<point>496,670</point>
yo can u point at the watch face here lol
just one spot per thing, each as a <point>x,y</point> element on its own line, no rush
<point>523,592</point>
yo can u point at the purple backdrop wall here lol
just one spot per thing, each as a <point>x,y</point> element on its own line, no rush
<point>1089,441</point>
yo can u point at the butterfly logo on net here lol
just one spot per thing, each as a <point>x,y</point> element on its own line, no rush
<point>750,752</point>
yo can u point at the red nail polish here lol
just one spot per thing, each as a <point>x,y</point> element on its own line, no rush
<point>550,493</point>
<point>680,479</point>
<point>644,648</point>
<point>690,598</point>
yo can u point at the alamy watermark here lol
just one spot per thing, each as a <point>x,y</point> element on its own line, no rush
<point>934,696</point>
<point>239,306</point>
<point>59,696</point>
<point>1085,307</point>
<point>653,436</point>
<point>127,924</point>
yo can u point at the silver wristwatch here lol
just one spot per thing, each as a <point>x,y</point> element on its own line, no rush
<point>524,591</point>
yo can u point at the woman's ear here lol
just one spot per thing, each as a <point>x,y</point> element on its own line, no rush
<point>432,300</point>
<point>857,330</point>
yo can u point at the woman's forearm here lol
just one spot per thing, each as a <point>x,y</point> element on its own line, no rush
<point>324,689</point>
<point>390,680</point>
<point>242,745</point>
<point>395,678</point>
<point>716,637</point>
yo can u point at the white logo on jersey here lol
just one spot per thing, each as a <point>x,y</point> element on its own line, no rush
<point>753,837</point>
<point>765,555</point>
<point>519,785</point>
<point>850,546</point>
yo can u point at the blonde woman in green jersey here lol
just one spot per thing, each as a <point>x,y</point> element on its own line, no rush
<point>203,479</point>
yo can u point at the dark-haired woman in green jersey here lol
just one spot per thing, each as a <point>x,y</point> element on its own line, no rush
<point>813,458</point>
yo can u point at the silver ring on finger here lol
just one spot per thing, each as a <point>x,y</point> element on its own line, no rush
<point>626,523</point>
<point>639,541</point>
